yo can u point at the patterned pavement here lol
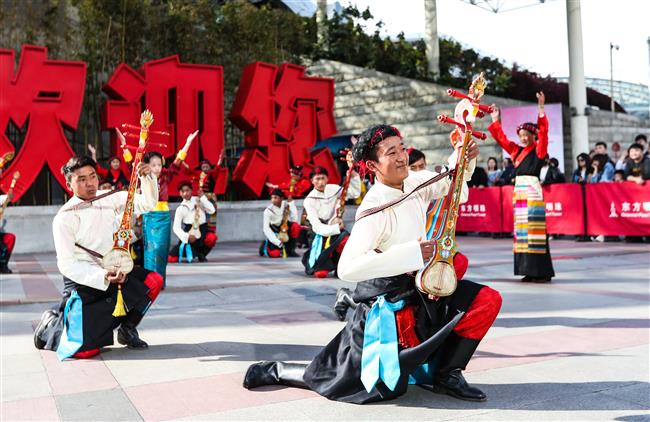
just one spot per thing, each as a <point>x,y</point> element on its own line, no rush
<point>576,349</point>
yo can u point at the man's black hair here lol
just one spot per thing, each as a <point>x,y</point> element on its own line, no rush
<point>601,143</point>
<point>415,155</point>
<point>367,142</point>
<point>75,163</point>
<point>184,183</point>
<point>640,136</point>
<point>149,155</point>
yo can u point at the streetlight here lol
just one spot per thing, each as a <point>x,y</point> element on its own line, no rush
<point>612,46</point>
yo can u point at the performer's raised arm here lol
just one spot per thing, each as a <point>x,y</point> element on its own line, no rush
<point>497,132</point>
<point>542,128</point>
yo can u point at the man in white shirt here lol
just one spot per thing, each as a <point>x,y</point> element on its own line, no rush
<point>191,225</point>
<point>83,233</point>
<point>7,240</point>
<point>272,246</point>
<point>397,335</point>
<point>327,236</point>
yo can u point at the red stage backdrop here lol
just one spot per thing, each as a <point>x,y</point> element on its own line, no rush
<point>481,212</point>
<point>47,93</point>
<point>564,209</point>
<point>283,113</point>
<point>182,98</point>
<point>618,209</point>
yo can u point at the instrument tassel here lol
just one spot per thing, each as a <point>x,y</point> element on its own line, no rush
<point>120,309</point>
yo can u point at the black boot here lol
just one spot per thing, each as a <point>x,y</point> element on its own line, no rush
<point>343,302</point>
<point>275,373</point>
<point>128,336</point>
<point>47,318</point>
<point>4,266</point>
<point>454,357</point>
<point>454,384</point>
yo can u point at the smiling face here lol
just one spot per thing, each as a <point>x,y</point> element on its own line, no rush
<point>525,137</point>
<point>391,167</point>
<point>83,182</point>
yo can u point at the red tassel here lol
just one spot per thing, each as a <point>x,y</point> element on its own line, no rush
<point>405,319</point>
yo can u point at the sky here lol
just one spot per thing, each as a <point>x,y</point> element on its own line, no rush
<point>534,37</point>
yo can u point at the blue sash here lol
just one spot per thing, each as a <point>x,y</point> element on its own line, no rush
<point>316,248</point>
<point>380,355</point>
<point>72,337</point>
<point>188,253</point>
<point>156,228</point>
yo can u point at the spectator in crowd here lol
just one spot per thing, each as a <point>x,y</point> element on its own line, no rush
<point>581,173</point>
<point>619,176</point>
<point>551,173</point>
<point>479,178</point>
<point>642,140</point>
<point>507,176</point>
<point>493,171</point>
<point>602,169</point>
<point>619,156</point>
<point>601,148</point>
<point>637,168</point>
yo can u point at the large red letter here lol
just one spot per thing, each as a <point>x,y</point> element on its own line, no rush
<point>282,118</point>
<point>182,98</point>
<point>48,93</point>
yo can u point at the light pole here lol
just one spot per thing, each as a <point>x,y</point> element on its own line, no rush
<point>612,46</point>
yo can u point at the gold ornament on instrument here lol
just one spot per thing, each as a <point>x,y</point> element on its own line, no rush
<point>438,276</point>
<point>5,158</point>
<point>119,258</point>
<point>9,192</point>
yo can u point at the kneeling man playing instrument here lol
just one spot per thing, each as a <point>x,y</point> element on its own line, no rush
<point>83,233</point>
<point>280,227</point>
<point>327,235</point>
<point>397,335</point>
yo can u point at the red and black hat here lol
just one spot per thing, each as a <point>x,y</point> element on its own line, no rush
<point>528,126</point>
<point>318,170</point>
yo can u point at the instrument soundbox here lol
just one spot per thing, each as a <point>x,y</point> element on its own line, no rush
<point>438,276</point>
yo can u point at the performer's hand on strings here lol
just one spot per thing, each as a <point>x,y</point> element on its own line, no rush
<point>496,113</point>
<point>191,239</point>
<point>116,277</point>
<point>341,224</point>
<point>426,247</point>
<point>143,169</point>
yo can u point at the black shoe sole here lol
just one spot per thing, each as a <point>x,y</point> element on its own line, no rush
<point>38,343</point>
<point>443,390</point>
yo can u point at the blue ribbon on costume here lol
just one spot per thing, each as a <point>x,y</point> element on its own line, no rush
<point>72,337</point>
<point>316,246</point>
<point>188,253</point>
<point>380,355</point>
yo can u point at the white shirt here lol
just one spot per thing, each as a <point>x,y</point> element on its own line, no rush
<point>273,217</point>
<point>542,173</point>
<point>3,198</point>
<point>92,227</point>
<point>324,208</point>
<point>185,214</point>
<point>394,231</point>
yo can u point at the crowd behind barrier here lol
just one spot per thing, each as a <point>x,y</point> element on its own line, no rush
<point>608,209</point>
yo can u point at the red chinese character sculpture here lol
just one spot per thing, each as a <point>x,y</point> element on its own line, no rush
<point>283,113</point>
<point>48,94</point>
<point>183,97</point>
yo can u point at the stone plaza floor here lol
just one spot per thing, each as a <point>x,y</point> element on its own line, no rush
<point>575,349</point>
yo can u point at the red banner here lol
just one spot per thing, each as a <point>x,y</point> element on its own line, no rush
<point>618,209</point>
<point>507,218</point>
<point>564,209</point>
<point>481,212</point>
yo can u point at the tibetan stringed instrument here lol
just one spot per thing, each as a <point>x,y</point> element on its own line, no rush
<point>283,235</point>
<point>119,257</point>
<point>196,230</point>
<point>438,276</point>
<point>9,192</point>
<point>338,215</point>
